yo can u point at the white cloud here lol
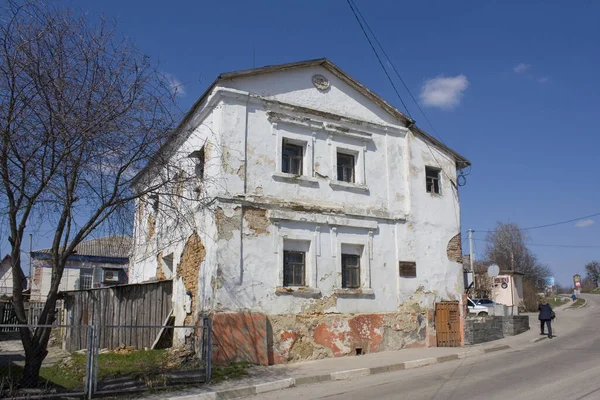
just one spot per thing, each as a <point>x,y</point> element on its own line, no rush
<point>543,79</point>
<point>521,67</point>
<point>176,87</point>
<point>444,92</point>
<point>585,223</point>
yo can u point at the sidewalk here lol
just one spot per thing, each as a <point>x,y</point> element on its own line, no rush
<point>262,379</point>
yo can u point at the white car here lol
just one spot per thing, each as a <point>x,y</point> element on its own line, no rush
<point>478,309</point>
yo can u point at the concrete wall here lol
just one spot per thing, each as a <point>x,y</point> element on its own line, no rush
<point>256,212</point>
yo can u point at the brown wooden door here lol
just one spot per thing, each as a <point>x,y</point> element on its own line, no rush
<point>447,323</point>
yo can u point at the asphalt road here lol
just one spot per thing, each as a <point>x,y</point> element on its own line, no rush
<point>565,367</point>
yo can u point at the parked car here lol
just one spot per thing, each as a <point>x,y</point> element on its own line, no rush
<point>485,302</point>
<point>481,310</point>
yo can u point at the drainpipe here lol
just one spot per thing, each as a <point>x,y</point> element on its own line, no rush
<point>245,192</point>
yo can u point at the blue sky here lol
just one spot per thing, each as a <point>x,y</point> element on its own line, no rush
<point>519,100</point>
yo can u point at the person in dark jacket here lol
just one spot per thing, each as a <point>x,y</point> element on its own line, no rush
<point>545,317</point>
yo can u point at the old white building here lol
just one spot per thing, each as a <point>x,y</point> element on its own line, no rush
<point>326,223</point>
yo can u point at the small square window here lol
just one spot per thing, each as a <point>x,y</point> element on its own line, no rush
<point>432,180</point>
<point>294,268</point>
<point>408,269</point>
<point>350,271</point>
<point>291,161</point>
<point>345,167</point>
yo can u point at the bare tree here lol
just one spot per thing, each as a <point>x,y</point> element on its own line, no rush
<point>80,114</point>
<point>506,247</point>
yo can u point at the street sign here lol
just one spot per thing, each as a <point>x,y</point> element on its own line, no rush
<point>493,270</point>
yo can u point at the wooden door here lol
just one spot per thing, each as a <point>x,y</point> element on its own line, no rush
<point>447,323</point>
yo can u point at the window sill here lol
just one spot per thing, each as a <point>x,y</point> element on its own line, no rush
<point>295,178</point>
<point>298,291</point>
<point>361,292</point>
<point>347,185</point>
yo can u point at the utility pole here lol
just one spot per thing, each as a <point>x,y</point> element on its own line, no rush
<point>471,248</point>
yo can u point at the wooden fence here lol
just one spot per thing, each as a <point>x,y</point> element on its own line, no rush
<point>121,313</point>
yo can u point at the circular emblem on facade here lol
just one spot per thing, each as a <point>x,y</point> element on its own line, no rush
<point>504,285</point>
<point>320,82</point>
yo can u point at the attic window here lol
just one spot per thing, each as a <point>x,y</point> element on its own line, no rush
<point>432,180</point>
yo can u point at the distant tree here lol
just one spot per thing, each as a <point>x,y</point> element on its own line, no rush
<point>507,248</point>
<point>592,270</point>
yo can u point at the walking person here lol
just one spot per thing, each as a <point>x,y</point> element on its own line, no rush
<point>546,315</point>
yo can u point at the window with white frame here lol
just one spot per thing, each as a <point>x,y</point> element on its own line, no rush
<point>353,276</point>
<point>295,263</point>
<point>346,164</point>
<point>350,271</point>
<point>432,180</point>
<point>294,268</point>
<point>292,157</point>
<point>349,165</point>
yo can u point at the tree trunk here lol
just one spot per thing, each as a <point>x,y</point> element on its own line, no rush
<point>33,364</point>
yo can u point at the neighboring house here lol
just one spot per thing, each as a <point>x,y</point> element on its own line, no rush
<point>6,277</point>
<point>326,224</point>
<point>96,263</point>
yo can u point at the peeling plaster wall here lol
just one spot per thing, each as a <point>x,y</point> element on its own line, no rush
<point>258,211</point>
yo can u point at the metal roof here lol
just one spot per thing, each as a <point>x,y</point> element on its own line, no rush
<point>107,246</point>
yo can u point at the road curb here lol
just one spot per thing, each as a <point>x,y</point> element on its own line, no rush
<point>335,376</point>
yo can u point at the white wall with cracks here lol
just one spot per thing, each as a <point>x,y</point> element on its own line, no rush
<point>256,211</point>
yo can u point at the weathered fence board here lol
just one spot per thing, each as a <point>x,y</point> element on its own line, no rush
<point>115,308</point>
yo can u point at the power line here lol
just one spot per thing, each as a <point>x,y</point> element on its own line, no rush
<point>397,73</point>
<point>568,246</point>
<point>354,11</point>
<point>546,225</point>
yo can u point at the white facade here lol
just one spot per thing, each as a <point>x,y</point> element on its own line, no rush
<point>257,212</point>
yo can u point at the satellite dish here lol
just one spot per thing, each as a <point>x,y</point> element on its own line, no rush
<point>493,271</point>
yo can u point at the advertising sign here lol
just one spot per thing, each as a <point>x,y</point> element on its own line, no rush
<point>550,281</point>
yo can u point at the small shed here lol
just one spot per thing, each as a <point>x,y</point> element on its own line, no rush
<point>508,288</point>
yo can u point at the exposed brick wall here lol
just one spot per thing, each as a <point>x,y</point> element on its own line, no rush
<point>189,269</point>
<point>454,249</point>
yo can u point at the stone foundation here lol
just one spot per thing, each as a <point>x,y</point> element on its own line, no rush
<point>276,339</point>
<point>486,329</point>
